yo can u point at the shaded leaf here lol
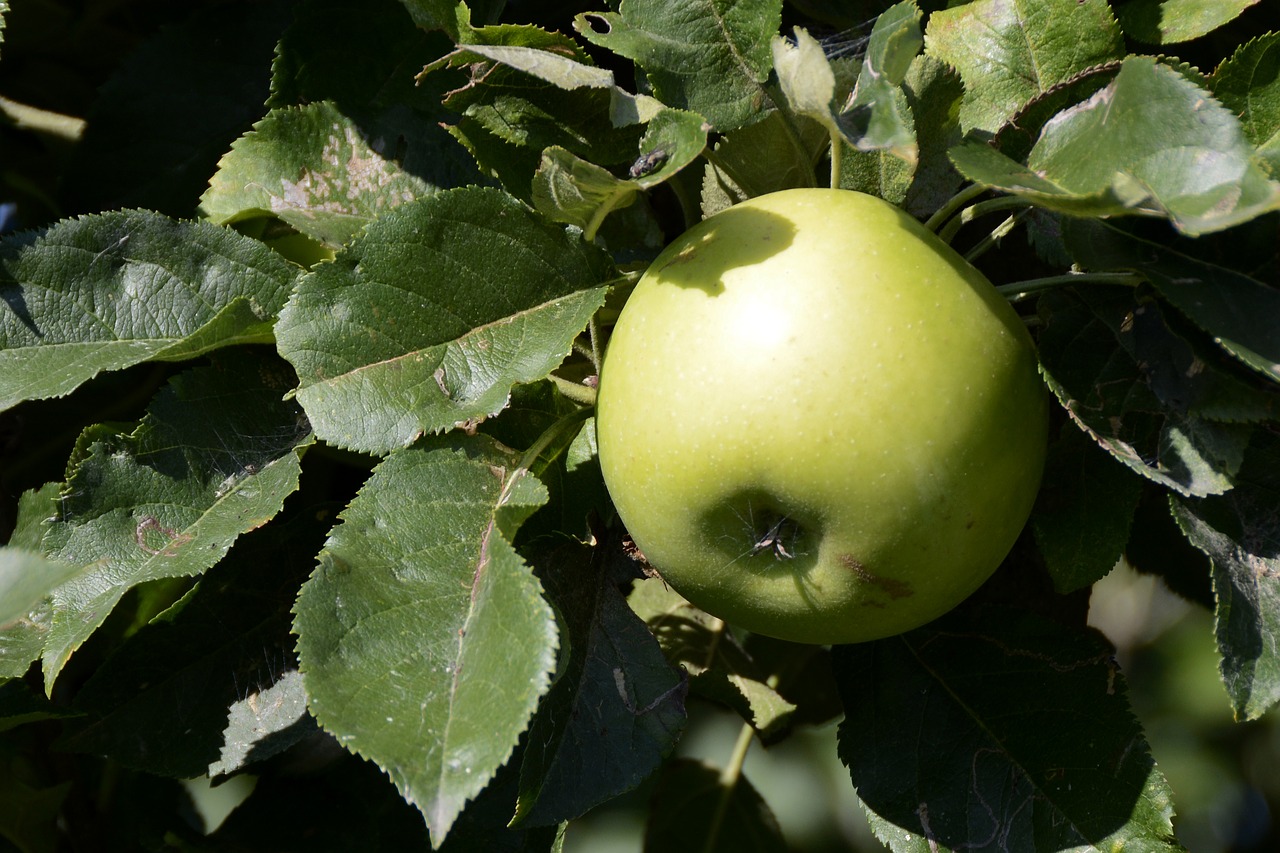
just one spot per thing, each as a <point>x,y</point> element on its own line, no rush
<point>215,457</point>
<point>1008,52</point>
<point>109,291</point>
<point>1174,21</point>
<point>1238,531</point>
<point>1100,157</point>
<point>719,667</point>
<point>778,152</point>
<point>1143,392</point>
<point>1234,308</point>
<point>423,637</point>
<point>1083,512</point>
<point>616,709</point>
<point>314,168</point>
<point>447,15</point>
<point>708,56</point>
<point>21,704</point>
<point>687,808</point>
<point>1041,749</point>
<point>1248,84</point>
<point>431,316</point>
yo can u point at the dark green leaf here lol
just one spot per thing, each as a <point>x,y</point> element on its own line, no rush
<point>718,666</point>
<point>1038,749</point>
<point>1143,392</point>
<point>778,152</point>
<point>447,15</point>
<point>1238,531</point>
<point>687,814</point>
<point>1100,158</point>
<point>21,704</point>
<point>215,457</point>
<point>616,709</point>
<point>1009,52</point>
<point>1174,21</point>
<point>160,703</point>
<point>423,637</point>
<point>1083,512</point>
<point>105,292</point>
<point>1248,84</point>
<point>708,56</point>
<point>430,317</point>
<point>1234,308</point>
<point>160,124</point>
<point>316,169</point>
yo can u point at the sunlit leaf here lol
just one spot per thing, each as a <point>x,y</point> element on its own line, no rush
<point>316,169</point>
<point>431,316</point>
<point>424,640</point>
<point>215,457</point>
<point>1008,52</point>
<point>1100,158</point>
<point>1238,531</point>
<point>108,291</point>
<point>879,116</point>
<point>1041,750</point>
<point>708,56</point>
<point>1174,21</point>
<point>1248,84</point>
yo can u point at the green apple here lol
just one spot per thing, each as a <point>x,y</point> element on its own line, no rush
<point>817,421</point>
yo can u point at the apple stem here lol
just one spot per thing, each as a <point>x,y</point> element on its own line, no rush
<point>1020,289</point>
<point>837,155</point>
<point>948,232</point>
<point>728,783</point>
<point>997,234</point>
<point>953,205</point>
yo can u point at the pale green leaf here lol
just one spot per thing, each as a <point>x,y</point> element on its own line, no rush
<point>423,637</point>
<point>806,77</point>
<point>264,723</point>
<point>1174,21</point>
<point>314,168</point>
<point>1101,157</point>
<point>430,317</point>
<point>215,457</point>
<point>1009,52</point>
<point>26,577</point>
<point>708,56</point>
<point>108,291</point>
<point>878,117</point>
<point>1248,84</point>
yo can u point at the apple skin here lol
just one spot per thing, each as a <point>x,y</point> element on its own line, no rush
<point>817,421</point>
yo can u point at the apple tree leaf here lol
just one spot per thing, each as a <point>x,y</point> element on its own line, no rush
<point>1238,531</point>
<point>568,189</point>
<point>111,290</point>
<point>446,15</point>
<point>719,667</point>
<point>423,637</point>
<point>22,636</point>
<point>1175,21</point>
<point>161,702</point>
<point>26,577</point>
<point>1084,511</point>
<point>215,457</point>
<point>1234,308</point>
<point>1009,52</point>
<point>778,152</point>
<point>689,805</point>
<point>1042,751</point>
<point>1144,392</point>
<point>1248,84</point>
<point>1099,158</point>
<point>708,56</point>
<point>430,317</point>
<point>616,709</point>
<point>878,116</point>
<point>316,169</point>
